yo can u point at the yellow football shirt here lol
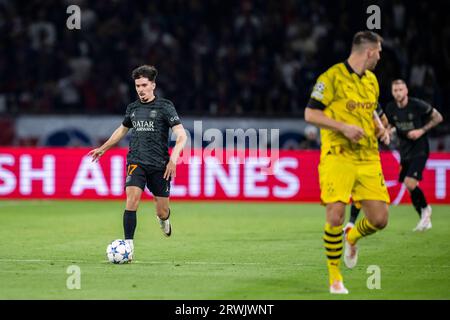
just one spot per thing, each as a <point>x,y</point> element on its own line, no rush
<point>345,96</point>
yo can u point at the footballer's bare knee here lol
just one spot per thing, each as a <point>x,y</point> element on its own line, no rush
<point>379,222</point>
<point>133,198</point>
<point>132,203</point>
<point>335,213</point>
<point>377,213</point>
<point>410,183</point>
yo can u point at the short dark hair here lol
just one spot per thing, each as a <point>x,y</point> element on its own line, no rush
<point>398,81</point>
<point>363,37</point>
<point>145,71</point>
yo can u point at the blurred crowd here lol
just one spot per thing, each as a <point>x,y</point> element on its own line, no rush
<point>215,57</point>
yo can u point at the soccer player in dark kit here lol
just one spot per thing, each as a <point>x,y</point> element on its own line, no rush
<point>148,161</point>
<point>411,118</point>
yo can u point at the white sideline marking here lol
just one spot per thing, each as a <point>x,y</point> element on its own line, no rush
<point>210,263</point>
<point>42,260</point>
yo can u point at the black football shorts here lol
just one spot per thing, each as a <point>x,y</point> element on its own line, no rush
<point>141,176</point>
<point>412,168</point>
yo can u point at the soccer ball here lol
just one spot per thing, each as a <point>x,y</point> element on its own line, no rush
<point>119,251</point>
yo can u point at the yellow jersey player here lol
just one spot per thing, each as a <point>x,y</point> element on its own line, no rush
<point>343,104</point>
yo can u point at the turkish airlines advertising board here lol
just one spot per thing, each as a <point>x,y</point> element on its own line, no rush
<point>63,173</point>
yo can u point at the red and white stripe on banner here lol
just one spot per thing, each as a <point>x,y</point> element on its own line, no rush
<point>60,173</point>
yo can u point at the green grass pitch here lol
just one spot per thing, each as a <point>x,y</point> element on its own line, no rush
<point>217,250</point>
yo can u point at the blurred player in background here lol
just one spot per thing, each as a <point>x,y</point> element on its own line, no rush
<point>148,161</point>
<point>411,118</point>
<point>343,104</point>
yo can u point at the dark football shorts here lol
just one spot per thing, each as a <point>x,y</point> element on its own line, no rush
<point>412,168</point>
<point>140,176</point>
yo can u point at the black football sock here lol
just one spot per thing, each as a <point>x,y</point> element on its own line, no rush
<point>418,200</point>
<point>354,212</point>
<point>129,223</point>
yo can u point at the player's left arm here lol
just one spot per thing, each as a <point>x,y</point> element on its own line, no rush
<point>381,125</point>
<point>180,133</point>
<point>435,119</point>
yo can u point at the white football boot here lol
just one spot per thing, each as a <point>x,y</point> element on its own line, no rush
<point>165,225</point>
<point>350,251</point>
<point>338,288</point>
<point>425,220</point>
<point>131,244</point>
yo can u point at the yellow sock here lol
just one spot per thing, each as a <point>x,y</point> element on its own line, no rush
<point>362,228</point>
<point>333,242</point>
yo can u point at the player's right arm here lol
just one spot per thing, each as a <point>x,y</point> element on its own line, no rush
<point>321,98</point>
<point>318,118</point>
<point>117,135</point>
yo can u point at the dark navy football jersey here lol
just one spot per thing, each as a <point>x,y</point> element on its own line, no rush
<point>413,116</point>
<point>150,124</point>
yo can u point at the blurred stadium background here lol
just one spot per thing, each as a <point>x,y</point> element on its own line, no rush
<point>230,64</point>
<point>217,59</point>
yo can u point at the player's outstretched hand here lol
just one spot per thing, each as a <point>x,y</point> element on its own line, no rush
<point>415,134</point>
<point>96,154</point>
<point>353,133</point>
<point>171,170</point>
